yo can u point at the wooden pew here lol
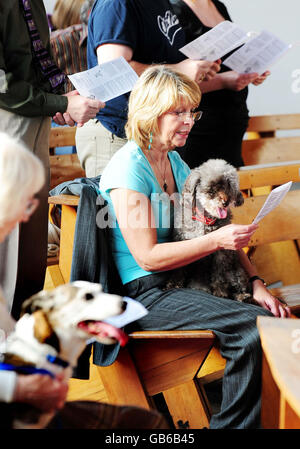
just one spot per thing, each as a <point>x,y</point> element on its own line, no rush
<point>265,146</point>
<point>282,224</point>
<point>64,167</point>
<point>153,362</point>
<point>280,373</point>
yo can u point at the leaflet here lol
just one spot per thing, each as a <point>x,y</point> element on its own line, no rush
<point>272,201</point>
<point>258,54</point>
<point>105,81</point>
<point>220,40</point>
<point>134,311</point>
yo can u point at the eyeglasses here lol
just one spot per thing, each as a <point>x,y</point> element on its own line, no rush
<point>192,115</point>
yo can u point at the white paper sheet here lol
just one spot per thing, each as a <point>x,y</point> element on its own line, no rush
<point>275,197</point>
<point>105,81</point>
<point>258,54</point>
<point>217,42</point>
<point>134,311</point>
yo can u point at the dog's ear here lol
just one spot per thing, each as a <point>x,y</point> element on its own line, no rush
<point>239,201</point>
<point>33,304</point>
<point>191,183</point>
<point>43,331</point>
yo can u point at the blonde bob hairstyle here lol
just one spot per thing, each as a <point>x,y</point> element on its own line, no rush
<point>66,13</point>
<point>157,91</point>
<point>21,176</point>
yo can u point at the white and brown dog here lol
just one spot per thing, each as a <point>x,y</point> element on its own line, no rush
<point>54,328</point>
<point>208,194</point>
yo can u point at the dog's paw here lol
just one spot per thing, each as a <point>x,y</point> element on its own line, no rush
<point>244,297</point>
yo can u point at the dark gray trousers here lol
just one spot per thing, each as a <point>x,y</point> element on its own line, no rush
<point>233,323</point>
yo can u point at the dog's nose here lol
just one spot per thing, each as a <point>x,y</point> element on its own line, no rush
<point>123,306</point>
<point>225,203</point>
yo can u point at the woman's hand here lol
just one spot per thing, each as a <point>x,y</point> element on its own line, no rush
<point>198,70</point>
<point>237,81</point>
<point>234,236</point>
<point>41,391</point>
<point>261,78</point>
<point>266,300</point>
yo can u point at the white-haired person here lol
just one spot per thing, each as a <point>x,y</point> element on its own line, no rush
<point>22,176</point>
<point>31,92</point>
<point>136,184</point>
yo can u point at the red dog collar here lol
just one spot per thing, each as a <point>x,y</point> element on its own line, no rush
<point>200,217</point>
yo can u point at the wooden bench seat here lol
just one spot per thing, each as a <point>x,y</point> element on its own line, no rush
<point>281,373</point>
<point>164,362</point>
<point>153,362</point>
<point>63,167</point>
<point>266,144</point>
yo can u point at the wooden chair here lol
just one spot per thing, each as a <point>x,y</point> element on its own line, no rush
<point>280,373</point>
<point>264,144</point>
<point>153,362</point>
<point>64,167</point>
<point>282,224</point>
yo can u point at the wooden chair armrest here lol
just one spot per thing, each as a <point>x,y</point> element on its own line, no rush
<point>67,200</point>
<point>172,334</point>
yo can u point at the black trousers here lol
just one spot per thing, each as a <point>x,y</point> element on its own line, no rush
<point>234,324</point>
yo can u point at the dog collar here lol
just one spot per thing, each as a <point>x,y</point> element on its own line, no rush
<point>57,361</point>
<point>25,369</point>
<point>200,217</point>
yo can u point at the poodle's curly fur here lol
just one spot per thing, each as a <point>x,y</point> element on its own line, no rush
<point>208,193</point>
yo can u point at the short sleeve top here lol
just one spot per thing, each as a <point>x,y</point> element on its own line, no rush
<point>129,168</point>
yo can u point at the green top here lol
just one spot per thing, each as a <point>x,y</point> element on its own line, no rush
<point>26,93</point>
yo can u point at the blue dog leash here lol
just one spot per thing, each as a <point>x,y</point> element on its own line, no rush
<point>28,369</point>
<point>25,369</point>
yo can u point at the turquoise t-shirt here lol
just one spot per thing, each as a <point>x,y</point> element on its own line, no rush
<point>129,168</point>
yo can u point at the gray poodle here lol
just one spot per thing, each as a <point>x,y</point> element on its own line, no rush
<point>208,193</point>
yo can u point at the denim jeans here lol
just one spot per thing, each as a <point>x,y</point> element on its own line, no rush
<point>233,323</point>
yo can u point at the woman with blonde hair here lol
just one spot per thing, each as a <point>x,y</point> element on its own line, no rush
<point>139,184</point>
<point>66,13</point>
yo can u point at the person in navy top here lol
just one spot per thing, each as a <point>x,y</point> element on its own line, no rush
<point>144,32</point>
<point>225,114</point>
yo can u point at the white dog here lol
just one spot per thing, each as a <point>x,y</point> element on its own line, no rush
<point>53,330</point>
